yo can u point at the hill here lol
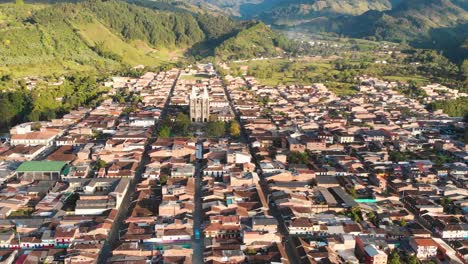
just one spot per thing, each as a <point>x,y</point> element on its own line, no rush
<point>90,34</point>
<point>40,39</point>
<point>293,11</point>
<point>434,24</point>
<point>256,40</point>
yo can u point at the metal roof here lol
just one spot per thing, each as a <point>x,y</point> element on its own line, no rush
<point>41,166</point>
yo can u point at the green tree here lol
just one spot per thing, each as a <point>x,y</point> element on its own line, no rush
<point>216,129</point>
<point>19,2</point>
<point>352,192</point>
<point>413,260</point>
<point>99,164</point>
<point>182,123</point>
<point>394,258</point>
<point>355,214</point>
<point>234,128</point>
<point>164,132</point>
<point>373,218</point>
<point>464,70</point>
<point>6,113</point>
<point>163,179</point>
<point>403,222</point>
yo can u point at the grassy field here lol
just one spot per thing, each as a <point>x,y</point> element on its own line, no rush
<point>314,67</point>
<point>317,66</point>
<point>134,53</point>
<point>55,48</point>
<point>418,79</point>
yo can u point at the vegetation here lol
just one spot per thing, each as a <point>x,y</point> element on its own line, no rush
<point>179,125</point>
<point>104,35</point>
<point>433,24</point>
<point>257,40</point>
<point>164,132</point>
<point>48,101</point>
<point>394,258</point>
<point>234,129</point>
<point>457,107</point>
<point>216,129</point>
<point>296,157</point>
<point>292,12</point>
<point>99,164</point>
<point>355,214</point>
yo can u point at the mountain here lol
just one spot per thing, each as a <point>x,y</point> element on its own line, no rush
<point>293,11</point>
<point>434,24</point>
<point>45,38</point>
<point>257,40</point>
<point>91,34</point>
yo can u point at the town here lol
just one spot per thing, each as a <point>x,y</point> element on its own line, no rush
<point>191,166</point>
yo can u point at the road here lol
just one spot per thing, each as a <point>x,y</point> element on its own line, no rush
<point>293,256</point>
<point>126,207</point>
<point>198,244</point>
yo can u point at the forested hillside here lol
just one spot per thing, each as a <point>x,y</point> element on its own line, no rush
<point>257,40</point>
<point>49,38</point>
<point>434,24</point>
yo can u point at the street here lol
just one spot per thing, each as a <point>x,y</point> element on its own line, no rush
<point>292,253</point>
<point>127,204</point>
<point>198,242</point>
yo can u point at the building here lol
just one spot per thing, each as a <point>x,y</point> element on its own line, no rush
<point>41,170</point>
<point>199,106</point>
<point>44,137</point>
<point>373,255</point>
<point>425,248</point>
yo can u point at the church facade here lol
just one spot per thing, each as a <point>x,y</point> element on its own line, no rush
<point>199,106</point>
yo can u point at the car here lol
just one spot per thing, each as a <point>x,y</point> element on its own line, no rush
<point>197,234</point>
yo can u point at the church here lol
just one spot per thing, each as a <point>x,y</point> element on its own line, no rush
<point>199,105</point>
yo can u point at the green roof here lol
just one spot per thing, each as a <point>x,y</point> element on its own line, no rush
<point>41,166</point>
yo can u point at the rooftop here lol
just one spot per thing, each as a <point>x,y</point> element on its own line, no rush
<point>45,166</point>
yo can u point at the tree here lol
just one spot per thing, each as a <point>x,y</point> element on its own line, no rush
<point>413,260</point>
<point>394,258</point>
<point>403,222</point>
<point>234,129</point>
<point>373,218</point>
<point>100,164</point>
<point>216,129</point>
<point>355,214</point>
<point>165,132</point>
<point>464,70</point>
<point>163,179</point>
<point>19,2</point>
<point>182,123</point>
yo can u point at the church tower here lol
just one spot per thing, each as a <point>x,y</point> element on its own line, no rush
<point>199,106</point>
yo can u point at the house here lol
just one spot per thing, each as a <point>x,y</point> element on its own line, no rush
<point>425,248</point>
<point>171,235</point>
<point>344,138</point>
<point>255,238</point>
<point>303,226</point>
<point>265,224</point>
<point>44,137</point>
<point>374,255</point>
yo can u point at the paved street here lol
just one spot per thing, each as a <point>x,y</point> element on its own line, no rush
<point>198,244</point>
<point>126,206</point>
<point>293,256</point>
